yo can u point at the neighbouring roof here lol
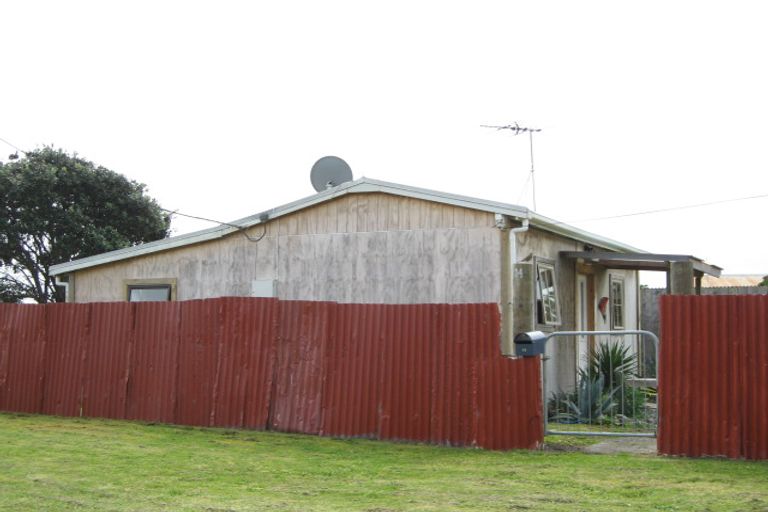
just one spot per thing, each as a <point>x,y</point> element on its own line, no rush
<point>731,280</point>
<point>360,186</point>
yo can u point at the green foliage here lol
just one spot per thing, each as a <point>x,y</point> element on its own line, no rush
<point>10,290</point>
<point>58,207</point>
<point>78,464</point>
<point>764,282</point>
<point>558,408</point>
<point>613,362</point>
<point>590,403</point>
<point>602,394</point>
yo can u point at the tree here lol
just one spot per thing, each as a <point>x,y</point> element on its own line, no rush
<point>56,208</point>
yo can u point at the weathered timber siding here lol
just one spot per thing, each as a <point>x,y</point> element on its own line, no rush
<point>361,248</point>
<point>429,372</point>
<point>713,376</point>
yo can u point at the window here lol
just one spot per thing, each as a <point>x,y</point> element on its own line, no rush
<point>548,311</point>
<point>150,290</point>
<point>617,302</point>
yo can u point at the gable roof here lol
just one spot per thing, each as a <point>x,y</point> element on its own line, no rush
<point>360,186</point>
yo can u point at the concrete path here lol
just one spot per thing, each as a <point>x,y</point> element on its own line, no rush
<point>637,445</point>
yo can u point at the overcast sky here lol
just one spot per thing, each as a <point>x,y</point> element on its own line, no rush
<point>221,108</point>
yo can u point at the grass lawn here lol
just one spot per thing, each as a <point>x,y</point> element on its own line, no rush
<point>49,463</point>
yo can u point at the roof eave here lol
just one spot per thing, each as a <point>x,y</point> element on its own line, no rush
<point>643,260</point>
<point>566,230</point>
<point>142,249</point>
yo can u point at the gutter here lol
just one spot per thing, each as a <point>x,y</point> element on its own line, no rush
<point>568,231</point>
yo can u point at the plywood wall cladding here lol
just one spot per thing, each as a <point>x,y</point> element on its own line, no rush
<point>429,373</point>
<point>360,248</point>
<point>713,376</point>
<point>358,213</point>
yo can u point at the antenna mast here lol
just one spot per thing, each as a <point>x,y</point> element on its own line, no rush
<point>516,129</point>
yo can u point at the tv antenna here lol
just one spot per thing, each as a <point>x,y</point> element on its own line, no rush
<point>516,129</point>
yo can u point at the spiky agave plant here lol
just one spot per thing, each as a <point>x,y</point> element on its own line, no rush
<point>613,362</point>
<point>591,404</point>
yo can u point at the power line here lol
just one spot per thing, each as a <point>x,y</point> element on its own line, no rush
<point>13,157</point>
<point>673,208</point>
<point>176,212</point>
<point>239,228</point>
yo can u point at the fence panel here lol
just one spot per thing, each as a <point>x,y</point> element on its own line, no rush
<point>199,338</point>
<point>406,345</point>
<point>22,345</point>
<point>246,362</point>
<point>713,376</point>
<point>6,315</point>
<point>754,381</point>
<point>64,356</point>
<point>296,401</point>
<point>354,367</point>
<point>152,385</point>
<point>452,379</point>
<point>107,360</point>
<point>411,372</point>
<point>507,404</point>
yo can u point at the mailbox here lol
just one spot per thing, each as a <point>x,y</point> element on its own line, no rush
<point>529,344</point>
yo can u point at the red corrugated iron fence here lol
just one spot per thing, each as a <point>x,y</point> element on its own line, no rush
<point>428,373</point>
<point>713,376</point>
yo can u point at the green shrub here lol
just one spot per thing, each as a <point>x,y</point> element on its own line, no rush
<point>591,404</point>
<point>602,394</point>
<point>613,362</point>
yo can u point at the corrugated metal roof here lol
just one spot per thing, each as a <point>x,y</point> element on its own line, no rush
<point>360,186</point>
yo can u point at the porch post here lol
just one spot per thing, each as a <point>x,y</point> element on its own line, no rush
<point>681,278</point>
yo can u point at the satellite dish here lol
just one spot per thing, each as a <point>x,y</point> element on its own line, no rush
<point>329,172</point>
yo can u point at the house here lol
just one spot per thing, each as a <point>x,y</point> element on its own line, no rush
<point>369,241</point>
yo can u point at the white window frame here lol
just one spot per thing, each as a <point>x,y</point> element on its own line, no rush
<point>145,284</point>
<point>547,299</point>
<point>617,302</point>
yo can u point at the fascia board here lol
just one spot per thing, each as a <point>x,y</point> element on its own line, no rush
<point>369,185</point>
<point>198,236</point>
<point>142,249</point>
